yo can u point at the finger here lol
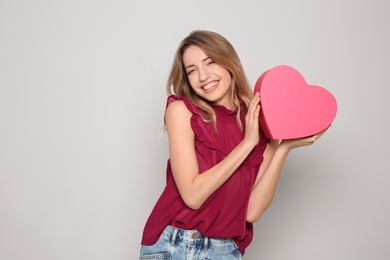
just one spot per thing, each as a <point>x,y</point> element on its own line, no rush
<point>253,116</point>
<point>253,105</point>
<point>321,133</point>
<point>255,99</point>
<point>257,113</point>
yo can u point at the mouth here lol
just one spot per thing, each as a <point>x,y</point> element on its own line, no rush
<point>210,86</point>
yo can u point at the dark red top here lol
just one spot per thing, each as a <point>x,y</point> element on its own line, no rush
<point>223,215</point>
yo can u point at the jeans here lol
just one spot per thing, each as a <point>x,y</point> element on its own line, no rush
<point>180,244</point>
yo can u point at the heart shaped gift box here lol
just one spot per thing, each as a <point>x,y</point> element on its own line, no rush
<point>290,108</point>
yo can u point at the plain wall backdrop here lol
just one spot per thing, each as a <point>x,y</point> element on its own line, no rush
<point>82,99</point>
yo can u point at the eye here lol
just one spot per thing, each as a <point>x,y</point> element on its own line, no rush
<point>190,71</point>
<point>209,62</point>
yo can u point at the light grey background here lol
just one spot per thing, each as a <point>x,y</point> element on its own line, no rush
<point>82,96</point>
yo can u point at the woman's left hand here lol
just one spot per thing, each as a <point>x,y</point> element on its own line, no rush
<point>290,144</point>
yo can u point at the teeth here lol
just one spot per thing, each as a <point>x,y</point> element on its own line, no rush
<point>210,85</point>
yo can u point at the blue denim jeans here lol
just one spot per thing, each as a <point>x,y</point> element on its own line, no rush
<point>179,244</point>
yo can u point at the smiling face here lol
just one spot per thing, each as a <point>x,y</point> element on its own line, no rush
<point>208,79</point>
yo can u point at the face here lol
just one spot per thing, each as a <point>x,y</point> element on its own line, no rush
<point>208,79</point>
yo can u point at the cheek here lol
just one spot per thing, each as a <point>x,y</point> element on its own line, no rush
<point>225,74</point>
<point>197,90</point>
<point>192,81</point>
<point>228,78</point>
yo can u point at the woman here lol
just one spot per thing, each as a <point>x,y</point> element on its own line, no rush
<point>222,172</point>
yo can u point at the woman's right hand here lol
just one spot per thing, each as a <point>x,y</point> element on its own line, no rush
<point>252,136</point>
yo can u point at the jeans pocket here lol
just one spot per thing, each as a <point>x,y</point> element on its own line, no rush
<point>160,250</point>
<point>225,251</point>
<point>162,256</point>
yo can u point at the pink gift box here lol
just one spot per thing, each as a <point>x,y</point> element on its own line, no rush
<point>290,108</point>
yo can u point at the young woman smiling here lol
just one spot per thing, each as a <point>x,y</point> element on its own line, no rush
<point>222,172</point>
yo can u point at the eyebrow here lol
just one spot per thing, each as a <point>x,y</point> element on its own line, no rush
<point>186,67</point>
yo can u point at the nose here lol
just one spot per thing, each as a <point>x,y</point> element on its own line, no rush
<point>203,74</point>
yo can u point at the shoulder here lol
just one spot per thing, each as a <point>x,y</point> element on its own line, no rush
<point>176,104</point>
<point>177,108</point>
<point>183,100</point>
<point>177,113</point>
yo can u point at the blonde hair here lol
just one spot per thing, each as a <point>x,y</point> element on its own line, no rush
<point>218,49</point>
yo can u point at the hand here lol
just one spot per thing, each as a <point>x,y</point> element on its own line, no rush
<point>290,144</point>
<point>252,136</point>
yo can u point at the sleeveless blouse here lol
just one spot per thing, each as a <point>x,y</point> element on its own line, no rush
<point>223,214</point>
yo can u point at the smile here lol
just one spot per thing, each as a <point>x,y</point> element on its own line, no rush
<point>210,85</point>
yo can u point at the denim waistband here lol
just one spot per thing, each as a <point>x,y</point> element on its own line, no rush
<point>192,236</point>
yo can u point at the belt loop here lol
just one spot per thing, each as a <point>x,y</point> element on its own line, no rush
<point>206,242</point>
<point>174,236</point>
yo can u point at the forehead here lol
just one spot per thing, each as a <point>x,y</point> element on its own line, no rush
<point>193,54</point>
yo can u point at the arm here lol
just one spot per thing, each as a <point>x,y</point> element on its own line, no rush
<point>264,188</point>
<point>196,188</point>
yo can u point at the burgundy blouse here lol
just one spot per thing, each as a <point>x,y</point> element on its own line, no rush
<point>223,214</point>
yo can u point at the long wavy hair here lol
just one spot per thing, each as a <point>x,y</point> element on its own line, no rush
<point>218,49</point>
